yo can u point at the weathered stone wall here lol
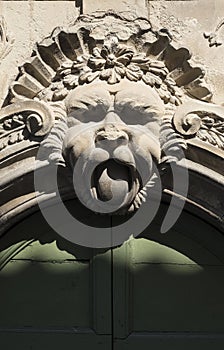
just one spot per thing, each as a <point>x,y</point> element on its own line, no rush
<point>138,7</point>
<point>187,21</point>
<point>29,22</point>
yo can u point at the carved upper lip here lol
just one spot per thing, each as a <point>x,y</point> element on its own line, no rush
<point>104,137</point>
<point>111,136</point>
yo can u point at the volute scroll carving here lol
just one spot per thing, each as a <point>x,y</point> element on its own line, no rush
<point>202,120</point>
<point>25,117</point>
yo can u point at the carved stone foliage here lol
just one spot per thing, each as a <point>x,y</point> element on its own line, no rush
<point>6,40</point>
<point>110,48</point>
<point>201,120</point>
<point>111,96</point>
<point>22,120</point>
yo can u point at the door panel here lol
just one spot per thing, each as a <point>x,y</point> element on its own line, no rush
<point>170,341</point>
<point>168,298</point>
<point>53,341</point>
<point>53,295</point>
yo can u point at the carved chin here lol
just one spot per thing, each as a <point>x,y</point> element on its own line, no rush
<point>115,181</point>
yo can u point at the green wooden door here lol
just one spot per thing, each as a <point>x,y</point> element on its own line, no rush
<point>154,292</point>
<point>168,289</point>
<point>53,295</point>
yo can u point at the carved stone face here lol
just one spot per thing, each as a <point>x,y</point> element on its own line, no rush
<point>111,142</point>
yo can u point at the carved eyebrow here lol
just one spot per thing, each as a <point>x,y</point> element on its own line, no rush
<point>138,101</point>
<point>85,99</point>
<point>135,106</point>
<point>142,109</point>
<point>147,111</point>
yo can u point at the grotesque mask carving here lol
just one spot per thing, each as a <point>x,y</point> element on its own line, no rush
<point>113,95</point>
<point>113,134</point>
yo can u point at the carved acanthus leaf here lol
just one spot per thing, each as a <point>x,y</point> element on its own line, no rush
<point>112,63</point>
<point>212,129</point>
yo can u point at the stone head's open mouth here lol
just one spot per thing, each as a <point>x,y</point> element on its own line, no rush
<point>114,180</point>
<point>111,182</point>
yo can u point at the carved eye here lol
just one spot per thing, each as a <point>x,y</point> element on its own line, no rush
<point>94,114</point>
<point>135,116</point>
<point>138,104</point>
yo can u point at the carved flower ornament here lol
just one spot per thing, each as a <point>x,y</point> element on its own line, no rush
<point>113,62</point>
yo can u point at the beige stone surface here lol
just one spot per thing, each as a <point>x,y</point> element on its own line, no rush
<point>30,22</point>
<point>187,21</point>
<point>135,6</point>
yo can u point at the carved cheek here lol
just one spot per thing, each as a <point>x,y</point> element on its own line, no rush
<point>146,145</point>
<point>76,143</point>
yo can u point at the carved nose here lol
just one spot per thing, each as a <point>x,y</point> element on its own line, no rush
<point>111,134</point>
<point>111,137</point>
<point>112,118</point>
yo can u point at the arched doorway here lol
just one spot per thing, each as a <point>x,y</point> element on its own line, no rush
<point>158,291</point>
